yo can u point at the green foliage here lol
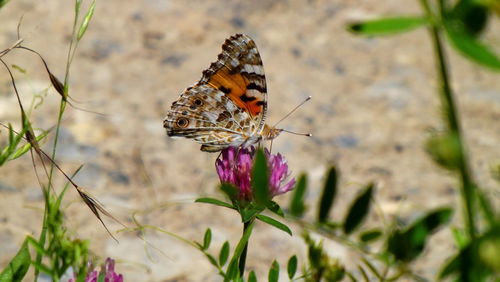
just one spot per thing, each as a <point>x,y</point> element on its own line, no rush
<point>297,206</point>
<point>12,150</point>
<point>207,239</point>
<point>321,267</point>
<point>445,150</point>
<point>328,196</point>
<point>260,178</point>
<point>224,253</point>
<point>407,244</point>
<point>358,211</point>
<point>292,266</point>
<point>370,235</point>
<point>275,223</point>
<point>18,266</point>
<point>472,48</point>
<point>274,272</point>
<point>215,201</point>
<point>3,2</point>
<point>387,26</point>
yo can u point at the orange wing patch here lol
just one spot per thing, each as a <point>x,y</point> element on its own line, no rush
<point>236,86</point>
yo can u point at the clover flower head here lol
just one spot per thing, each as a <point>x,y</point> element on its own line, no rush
<point>234,166</point>
<point>108,270</point>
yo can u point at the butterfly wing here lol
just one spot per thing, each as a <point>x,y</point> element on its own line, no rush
<point>239,73</point>
<point>228,106</point>
<point>208,116</point>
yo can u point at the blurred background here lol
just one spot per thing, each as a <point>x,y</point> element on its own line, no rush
<point>374,104</point>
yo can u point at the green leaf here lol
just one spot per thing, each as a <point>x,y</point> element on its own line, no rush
<point>260,179</point>
<point>18,266</point>
<point>248,214</point>
<point>359,209</point>
<point>224,253</point>
<point>472,48</point>
<point>274,272</point>
<point>387,26</point>
<point>451,266</point>
<point>214,202</point>
<point>207,239</point>
<point>22,150</point>
<point>232,272</point>
<point>252,277</point>
<point>486,207</point>
<point>274,223</point>
<point>275,208</point>
<point>328,195</point>
<point>297,206</point>
<point>292,266</point>
<point>211,259</point>
<point>3,2</point>
<point>370,235</point>
<point>101,277</point>
<point>445,150</point>
<point>86,21</point>
<point>230,191</point>
<point>241,244</point>
<point>406,245</point>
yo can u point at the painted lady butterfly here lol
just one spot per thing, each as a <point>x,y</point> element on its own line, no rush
<point>228,106</point>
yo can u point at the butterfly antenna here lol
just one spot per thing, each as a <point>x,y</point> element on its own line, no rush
<point>291,112</point>
<point>297,133</point>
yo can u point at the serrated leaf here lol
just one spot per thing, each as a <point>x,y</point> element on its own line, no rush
<point>274,272</point>
<point>408,244</point>
<point>297,206</point>
<point>274,223</point>
<point>328,195</point>
<point>207,239</point>
<point>86,21</point>
<point>370,235</point>
<point>359,210</point>
<point>18,266</point>
<point>292,266</point>
<point>214,202</point>
<point>224,253</point>
<point>472,48</point>
<point>387,26</point>
<point>260,178</point>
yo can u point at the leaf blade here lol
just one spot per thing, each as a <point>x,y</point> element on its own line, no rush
<point>387,26</point>
<point>358,210</point>
<point>275,223</point>
<point>328,194</point>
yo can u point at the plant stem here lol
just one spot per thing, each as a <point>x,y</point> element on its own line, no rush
<point>243,257</point>
<point>467,184</point>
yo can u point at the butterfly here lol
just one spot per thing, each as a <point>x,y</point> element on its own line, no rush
<point>227,107</point>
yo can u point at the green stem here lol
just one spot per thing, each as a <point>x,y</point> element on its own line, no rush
<point>243,257</point>
<point>467,184</point>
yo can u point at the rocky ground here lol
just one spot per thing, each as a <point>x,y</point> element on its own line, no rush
<point>374,104</point>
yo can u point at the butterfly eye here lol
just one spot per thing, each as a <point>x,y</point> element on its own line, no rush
<point>182,122</point>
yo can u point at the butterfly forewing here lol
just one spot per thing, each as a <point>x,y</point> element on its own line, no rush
<point>228,106</point>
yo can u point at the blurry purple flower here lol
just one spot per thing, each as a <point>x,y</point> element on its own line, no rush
<point>234,166</point>
<point>108,270</point>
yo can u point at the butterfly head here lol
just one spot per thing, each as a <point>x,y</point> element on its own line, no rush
<point>269,133</point>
